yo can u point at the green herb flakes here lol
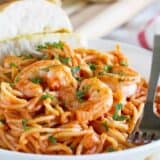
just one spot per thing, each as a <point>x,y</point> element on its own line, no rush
<point>92,66</point>
<point>123,63</point>
<point>2,121</point>
<point>56,56</point>
<point>46,69</point>
<point>16,79</point>
<point>46,96</point>
<point>52,139</point>
<point>78,78</point>
<point>37,80</point>
<point>72,147</point>
<point>13,65</point>
<point>121,73</point>
<point>105,125</point>
<point>28,56</point>
<point>58,45</point>
<point>65,60</point>
<point>24,124</point>
<point>80,94</point>
<point>101,73</point>
<point>107,68</point>
<point>110,149</point>
<point>119,106</point>
<point>74,70</point>
<point>116,115</point>
<point>45,57</point>
<point>119,118</point>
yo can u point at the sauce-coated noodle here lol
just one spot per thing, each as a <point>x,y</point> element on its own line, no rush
<point>71,101</point>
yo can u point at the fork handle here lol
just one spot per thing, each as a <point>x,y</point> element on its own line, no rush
<point>150,120</point>
<point>154,75</point>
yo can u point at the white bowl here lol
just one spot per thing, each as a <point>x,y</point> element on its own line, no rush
<point>140,59</point>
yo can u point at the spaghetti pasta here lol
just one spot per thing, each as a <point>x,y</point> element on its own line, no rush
<point>69,101</point>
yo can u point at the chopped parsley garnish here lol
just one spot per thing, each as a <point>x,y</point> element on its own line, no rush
<point>16,79</point>
<point>45,57</point>
<point>46,69</point>
<point>119,106</point>
<point>65,60</point>
<point>40,47</point>
<point>86,88</point>
<point>105,125</point>
<point>108,68</point>
<point>58,45</point>
<point>92,66</point>
<point>12,84</point>
<point>3,121</point>
<point>72,147</point>
<point>110,149</point>
<point>24,124</point>
<point>46,96</point>
<point>119,118</point>
<point>37,80</point>
<point>74,70</point>
<point>123,63</point>
<point>121,73</point>
<point>101,73</point>
<point>78,78</point>
<point>56,56</point>
<point>52,139</point>
<point>28,56</point>
<point>80,94</point>
<point>13,65</point>
<point>116,115</point>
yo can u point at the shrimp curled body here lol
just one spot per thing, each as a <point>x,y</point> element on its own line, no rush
<point>51,72</point>
<point>98,100</point>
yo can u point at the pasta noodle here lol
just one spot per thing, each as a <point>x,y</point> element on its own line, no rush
<point>69,101</point>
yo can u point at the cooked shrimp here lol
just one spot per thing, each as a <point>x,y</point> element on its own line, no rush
<point>51,72</point>
<point>123,81</point>
<point>60,76</point>
<point>96,100</point>
<point>129,73</point>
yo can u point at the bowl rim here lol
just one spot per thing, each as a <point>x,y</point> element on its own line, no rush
<point>142,148</point>
<point>98,155</point>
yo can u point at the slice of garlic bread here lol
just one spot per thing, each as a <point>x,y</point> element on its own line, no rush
<point>28,43</point>
<point>19,17</point>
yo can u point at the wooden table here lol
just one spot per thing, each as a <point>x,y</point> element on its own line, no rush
<point>96,20</point>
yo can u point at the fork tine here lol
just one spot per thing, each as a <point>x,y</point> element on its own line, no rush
<point>136,136</point>
<point>153,137</point>
<point>144,135</point>
<point>142,138</point>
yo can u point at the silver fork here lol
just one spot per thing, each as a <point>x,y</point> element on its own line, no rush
<point>148,127</point>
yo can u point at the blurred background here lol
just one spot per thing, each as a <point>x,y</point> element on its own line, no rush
<point>131,21</point>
